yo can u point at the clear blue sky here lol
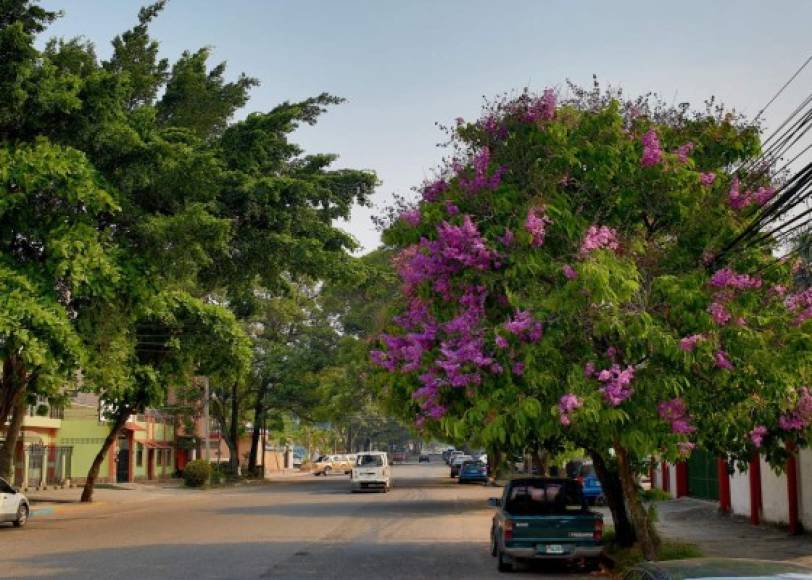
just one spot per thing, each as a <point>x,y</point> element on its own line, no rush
<point>404,65</point>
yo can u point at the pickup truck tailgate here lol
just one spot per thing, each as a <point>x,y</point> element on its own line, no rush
<point>534,529</point>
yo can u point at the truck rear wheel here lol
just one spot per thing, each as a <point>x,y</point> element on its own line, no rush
<point>503,563</point>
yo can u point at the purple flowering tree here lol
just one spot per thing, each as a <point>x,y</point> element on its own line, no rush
<point>573,292</point>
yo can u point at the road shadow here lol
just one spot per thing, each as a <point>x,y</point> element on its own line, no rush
<point>355,505</point>
<point>278,560</point>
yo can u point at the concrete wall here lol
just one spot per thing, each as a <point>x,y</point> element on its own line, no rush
<point>805,487</point>
<point>740,493</point>
<point>773,495</point>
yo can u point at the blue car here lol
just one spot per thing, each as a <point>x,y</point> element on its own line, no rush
<point>473,471</point>
<point>592,490</point>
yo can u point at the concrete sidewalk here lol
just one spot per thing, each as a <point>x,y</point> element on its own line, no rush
<point>699,522</point>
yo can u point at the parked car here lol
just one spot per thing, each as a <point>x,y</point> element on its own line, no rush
<point>717,568</point>
<point>453,455</point>
<point>371,472</point>
<point>424,458</point>
<point>592,489</point>
<point>14,506</point>
<point>544,519</point>
<point>473,471</point>
<point>399,457</point>
<point>456,463</point>
<point>329,464</point>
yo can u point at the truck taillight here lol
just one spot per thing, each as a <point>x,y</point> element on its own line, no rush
<point>598,533</point>
<point>507,530</point>
<point>580,479</point>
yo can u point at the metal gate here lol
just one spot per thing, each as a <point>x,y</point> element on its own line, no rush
<point>703,477</point>
<point>47,465</point>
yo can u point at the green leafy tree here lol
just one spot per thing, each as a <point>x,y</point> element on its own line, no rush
<point>185,217</point>
<point>563,278</point>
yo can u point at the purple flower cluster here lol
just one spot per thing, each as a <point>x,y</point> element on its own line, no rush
<point>683,151</point>
<point>481,180</point>
<point>524,326</point>
<point>434,190</point>
<point>719,313</point>
<point>800,417</point>
<point>455,248</point>
<point>598,237</point>
<point>707,178</point>
<point>727,278</point>
<point>616,384</point>
<point>536,223</point>
<point>569,272</point>
<point>757,435</point>
<point>688,344</point>
<point>739,199</point>
<point>411,217</point>
<point>493,127</point>
<point>507,238</point>
<point>722,360</point>
<point>651,149</point>
<point>685,448</point>
<point>801,304</point>
<point>676,413</point>
<point>566,405</point>
<point>541,108</point>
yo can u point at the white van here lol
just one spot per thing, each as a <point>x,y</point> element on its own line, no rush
<point>371,472</point>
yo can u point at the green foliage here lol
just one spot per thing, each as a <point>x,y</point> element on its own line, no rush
<point>197,473</point>
<point>139,218</point>
<point>581,168</point>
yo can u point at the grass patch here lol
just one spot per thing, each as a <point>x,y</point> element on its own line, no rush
<point>654,495</point>
<point>625,558</point>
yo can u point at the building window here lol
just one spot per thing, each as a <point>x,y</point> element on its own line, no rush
<point>159,457</point>
<point>139,455</point>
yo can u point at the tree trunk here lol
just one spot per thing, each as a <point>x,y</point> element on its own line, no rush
<point>93,474</point>
<point>233,434</point>
<point>539,458</point>
<point>613,491</point>
<point>643,527</point>
<point>9,449</point>
<point>259,419</point>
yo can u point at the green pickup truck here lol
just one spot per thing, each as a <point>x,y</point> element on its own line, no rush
<point>544,519</point>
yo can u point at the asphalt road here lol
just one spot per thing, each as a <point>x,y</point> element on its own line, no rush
<point>428,526</point>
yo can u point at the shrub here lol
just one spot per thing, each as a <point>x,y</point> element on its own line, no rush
<point>197,473</point>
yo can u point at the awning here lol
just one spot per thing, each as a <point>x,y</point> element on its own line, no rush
<point>133,427</point>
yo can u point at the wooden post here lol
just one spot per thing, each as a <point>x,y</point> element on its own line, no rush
<point>724,486</point>
<point>754,474</point>
<point>666,475</point>
<point>792,489</point>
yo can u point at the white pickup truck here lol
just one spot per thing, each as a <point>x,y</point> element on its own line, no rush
<point>371,472</point>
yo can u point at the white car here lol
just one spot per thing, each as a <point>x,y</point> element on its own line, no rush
<point>371,472</point>
<point>14,506</point>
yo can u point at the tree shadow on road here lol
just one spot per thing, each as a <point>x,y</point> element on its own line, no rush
<point>283,559</point>
<point>353,505</point>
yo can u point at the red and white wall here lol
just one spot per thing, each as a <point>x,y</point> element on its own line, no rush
<point>759,493</point>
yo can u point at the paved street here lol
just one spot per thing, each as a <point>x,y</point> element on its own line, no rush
<point>427,527</point>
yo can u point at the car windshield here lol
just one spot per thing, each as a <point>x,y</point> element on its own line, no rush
<point>370,461</point>
<point>5,487</point>
<point>544,498</point>
<point>476,466</point>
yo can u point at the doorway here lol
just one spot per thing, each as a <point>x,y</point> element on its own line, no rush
<point>123,460</point>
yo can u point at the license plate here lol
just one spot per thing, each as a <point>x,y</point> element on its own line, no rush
<point>554,549</point>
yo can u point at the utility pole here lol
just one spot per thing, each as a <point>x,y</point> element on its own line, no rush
<point>206,419</point>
